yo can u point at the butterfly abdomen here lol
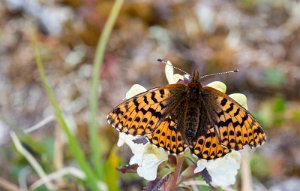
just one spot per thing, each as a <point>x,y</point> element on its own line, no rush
<point>191,121</point>
<point>192,112</point>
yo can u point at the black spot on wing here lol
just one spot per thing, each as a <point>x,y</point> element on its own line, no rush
<point>146,100</point>
<point>237,112</point>
<point>224,101</point>
<point>162,93</point>
<point>225,123</point>
<point>153,97</point>
<point>230,108</point>
<point>155,113</point>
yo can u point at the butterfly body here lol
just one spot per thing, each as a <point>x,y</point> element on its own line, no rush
<point>194,110</point>
<point>180,116</point>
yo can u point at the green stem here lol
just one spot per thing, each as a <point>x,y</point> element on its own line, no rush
<point>188,173</point>
<point>93,103</point>
<point>174,177</point>
<point>73,143</point>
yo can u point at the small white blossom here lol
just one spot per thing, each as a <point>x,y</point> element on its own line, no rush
<point>135,90</point>
<point>218,86</point>
<point>240,98</point>
<point>147,157</point>
<point>171,77</point>
<point>222,170</point>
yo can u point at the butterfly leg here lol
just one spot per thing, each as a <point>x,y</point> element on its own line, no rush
<point>218,133</point>
<point>217,130</point>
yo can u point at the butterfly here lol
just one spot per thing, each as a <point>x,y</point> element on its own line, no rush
<point>188,115</point>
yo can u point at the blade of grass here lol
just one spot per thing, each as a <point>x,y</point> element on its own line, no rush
<point>93,104</point>
<point>74,145</point>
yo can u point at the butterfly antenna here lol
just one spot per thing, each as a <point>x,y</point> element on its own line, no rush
<point>220,73</point>
<point>168,63</point>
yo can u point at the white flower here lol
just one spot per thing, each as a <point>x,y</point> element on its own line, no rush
<point>146,156</point>
<point>171,77</point>
<point>134,90</point>
<point>222,170</point>
<point>218,86</point>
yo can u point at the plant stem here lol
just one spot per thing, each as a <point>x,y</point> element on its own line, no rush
<point>93,104</point>
<point>173,178</point>
<point>74,144</point>
<point>188,173</point>
<point>246,172</point>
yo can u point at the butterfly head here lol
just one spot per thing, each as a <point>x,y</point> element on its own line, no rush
<point>195,77</point>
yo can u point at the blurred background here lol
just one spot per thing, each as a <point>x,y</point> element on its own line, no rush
<point>260,38</point>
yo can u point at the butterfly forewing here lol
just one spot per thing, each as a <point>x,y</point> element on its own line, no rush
<point>143,113</point>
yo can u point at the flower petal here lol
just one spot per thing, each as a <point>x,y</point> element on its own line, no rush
<point>201,165</point>
<point>134,90</point>
<point>223,171</point>
<point>148,158</point>
<point>128,139</point>
<point>169,71</point>
<point>218,85</point>
<point>148,169</point>
<point>177,77</point>
<point>240,98</point>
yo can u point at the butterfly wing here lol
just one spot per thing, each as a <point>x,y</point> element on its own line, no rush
<point>207,146</point>
<point>168,136</point>
<point>233,127</point>
<point>143,113</point>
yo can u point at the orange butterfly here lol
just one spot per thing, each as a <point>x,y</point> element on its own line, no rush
<point>180,116</point>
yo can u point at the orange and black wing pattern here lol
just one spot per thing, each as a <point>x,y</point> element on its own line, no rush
<point>233,128</point>
<point>143,113</point>
<point>207,146</point>
<point>168,136</point>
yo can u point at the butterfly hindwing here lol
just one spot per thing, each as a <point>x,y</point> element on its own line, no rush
<point>167,136</point>
<point>208,147</point>
<point>141,114</point>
